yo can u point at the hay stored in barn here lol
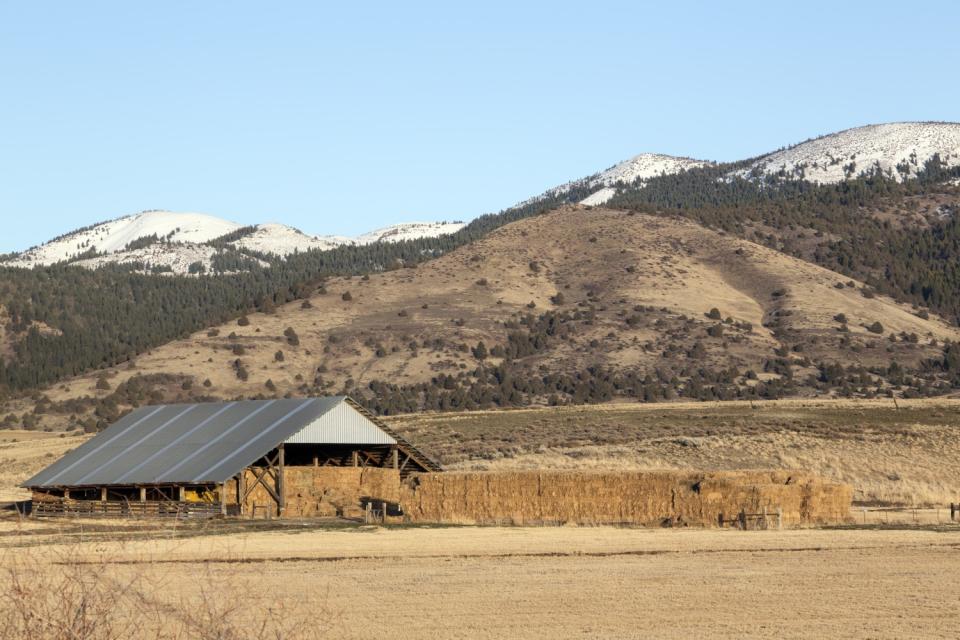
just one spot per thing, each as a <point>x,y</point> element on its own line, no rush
<point>319,491</point>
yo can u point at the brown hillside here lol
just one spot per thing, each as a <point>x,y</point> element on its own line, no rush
<point>644,287</point>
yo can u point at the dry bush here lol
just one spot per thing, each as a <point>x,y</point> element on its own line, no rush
<point>68,597</point>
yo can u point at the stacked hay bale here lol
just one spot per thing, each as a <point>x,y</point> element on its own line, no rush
<point>330,491</point>
<point>324,491</point>
<point>622,497</point>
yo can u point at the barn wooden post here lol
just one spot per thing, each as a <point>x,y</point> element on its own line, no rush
<point>181,494</point>
<point>223,499</point>
<point>281,489</point>
<point>354,458</point>
<point>395,457</point>
<point>103,494</point>
<point>241,490</point>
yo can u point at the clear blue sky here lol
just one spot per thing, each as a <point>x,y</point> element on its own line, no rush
<point>338,118</point>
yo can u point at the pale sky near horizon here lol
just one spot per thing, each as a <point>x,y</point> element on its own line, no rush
<point>341,119</point>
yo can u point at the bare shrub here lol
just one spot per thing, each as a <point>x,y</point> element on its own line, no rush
<point>64,595</point>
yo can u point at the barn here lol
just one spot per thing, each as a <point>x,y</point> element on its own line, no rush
<point>256,458</point>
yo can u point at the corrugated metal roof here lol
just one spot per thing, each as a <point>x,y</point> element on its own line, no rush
<point>209,442</point>
<point>342,425</point>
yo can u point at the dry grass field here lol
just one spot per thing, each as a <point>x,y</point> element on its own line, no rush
<point>887,574</point>
<point>306,581</point>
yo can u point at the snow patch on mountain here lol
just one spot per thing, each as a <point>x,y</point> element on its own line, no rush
<point>409,231</point>
<point>282,240</point>
<point>645,166</point>
<point>899,149</point>
<point>599,197</point>
<point>635,171</point>
<point>156,257</point>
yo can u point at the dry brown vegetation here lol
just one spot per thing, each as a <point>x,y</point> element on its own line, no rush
<point>648,281</point>
<point>69,593</point>
<point>305,580</point>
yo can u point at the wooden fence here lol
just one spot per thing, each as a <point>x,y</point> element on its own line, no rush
<point>126,509</point>
<point>762,520</point>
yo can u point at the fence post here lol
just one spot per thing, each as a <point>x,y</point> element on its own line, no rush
<point>742,519</point>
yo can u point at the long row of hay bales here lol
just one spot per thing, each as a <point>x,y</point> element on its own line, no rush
<point>622,497</point>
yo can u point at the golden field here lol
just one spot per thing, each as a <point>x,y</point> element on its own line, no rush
<point>304,581</point>
<point>890,572</point>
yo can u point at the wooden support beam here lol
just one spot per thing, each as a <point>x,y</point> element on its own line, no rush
<point>143,494</point>
<point>367,458</point>
<point>316,461</point>
<point>223,499</point>
<point>395,457</point>
<point>181,494</point>
<point>258,479</point>
<point>241,481</point>
<point>354,458</point>
<point>282,502</point>
<point>103,494</point>
<point>405,462</point>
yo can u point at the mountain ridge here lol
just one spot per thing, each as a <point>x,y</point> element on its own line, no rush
<point>181,242</point>
<point>576,305</point>
<point>177,240</point>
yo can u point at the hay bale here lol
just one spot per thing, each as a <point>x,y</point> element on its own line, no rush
<point>323,491</point>
<point>621,497</point>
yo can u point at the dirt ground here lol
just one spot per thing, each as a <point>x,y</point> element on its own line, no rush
<point>468,582</point>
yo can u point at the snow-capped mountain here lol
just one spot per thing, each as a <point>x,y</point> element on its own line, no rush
<point>189,242</point>
<point>635,171</point>
<point>116,235</point>
<point>180,242</point>
<point>899,149</point>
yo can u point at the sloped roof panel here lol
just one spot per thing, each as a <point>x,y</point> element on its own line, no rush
<point>183,443</point>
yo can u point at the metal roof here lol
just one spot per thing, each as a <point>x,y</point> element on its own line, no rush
<point>342,425</point>
<point>207,442</point>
